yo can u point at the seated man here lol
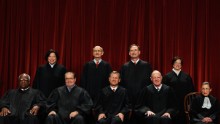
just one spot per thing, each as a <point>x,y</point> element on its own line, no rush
<point>205,107</point>
<point>68,104</point>
<point>113,103</point>
<point>20,106</point>
<point>156,103</point>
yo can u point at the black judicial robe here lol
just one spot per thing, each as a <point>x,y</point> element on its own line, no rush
<point>197,113</point>
<point>47,78</point>
<point>182,85</point>
<point>135,77</point>
<point>20,102</point>
<point>158,102</point>
<point>111,103</point>
<point>94,79</point>
<point>64,102</point>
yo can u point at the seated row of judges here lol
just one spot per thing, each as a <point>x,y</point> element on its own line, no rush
<point>71,104</point>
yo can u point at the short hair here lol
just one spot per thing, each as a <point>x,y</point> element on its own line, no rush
<point>24,74</point>
<point>155,71</point>
<point>98,46</point>
<point>176,58</point>
<point>206,83</point>
<point>115,72</point>
<point>134,45</point>
<point>51,51</point>
<point>73,73</point>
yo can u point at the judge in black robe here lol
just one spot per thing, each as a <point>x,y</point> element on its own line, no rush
<point>50,75</point>
<point>182,84</point>
<point>22,105</point>
<point>113,104</point>
<point>95,74</point>
<point>156,103</point>
<point>68,104</point>
<point>204,106</point>
<point>135,74</point>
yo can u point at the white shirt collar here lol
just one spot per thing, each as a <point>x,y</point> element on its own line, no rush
<point>115,88</point>
<point>70,88</point>
<point>135,61</point>
<point>176,71</point>
<point>158,88</point>
<point>52,65</point>
<point>206,103</point>
<point>96,60</point>
<point>25,89</point>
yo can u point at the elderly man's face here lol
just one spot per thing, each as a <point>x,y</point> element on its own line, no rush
<point>156,78</point>
<point>70,79</point>
<point>24,82</point>
<point>114,79</point>
<point>97,52</point>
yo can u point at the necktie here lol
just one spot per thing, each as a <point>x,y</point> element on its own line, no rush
<point>97,64</point>
<point>135,62</point>
<point>113,90</point>
<point>158,89</point>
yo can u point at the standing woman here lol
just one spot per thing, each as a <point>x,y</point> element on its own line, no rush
<point>50,75</point>
<point>182,84</point>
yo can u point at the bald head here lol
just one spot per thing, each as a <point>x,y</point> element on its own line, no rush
<point>156,78</point>
<point>98,52</point>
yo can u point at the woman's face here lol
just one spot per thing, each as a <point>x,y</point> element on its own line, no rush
<point>177,65</point>
<point>206,90</point>
<point>52,59</point>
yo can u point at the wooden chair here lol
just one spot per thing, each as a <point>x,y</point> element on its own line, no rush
<point>187,103</point>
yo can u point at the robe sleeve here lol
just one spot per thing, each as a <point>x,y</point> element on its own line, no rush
<point>84,76</point>
<point>40,100</point>
<point>5,101</point>
<point>52,101</point>
<point>85,103</point>
<point>141,106</point>
<point>36,79</point>
<point>127,104</point>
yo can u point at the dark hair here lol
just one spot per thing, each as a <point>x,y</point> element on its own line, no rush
<point>51,51</point>
<point>134,45</point>
<point>176,58</point>
<point>115,72</point>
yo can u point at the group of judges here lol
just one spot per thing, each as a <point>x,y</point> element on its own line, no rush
<point>134,95</point>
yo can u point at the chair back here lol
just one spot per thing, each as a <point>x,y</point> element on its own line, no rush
<point>187,103</point>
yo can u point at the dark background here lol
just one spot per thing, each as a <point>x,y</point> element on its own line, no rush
<point>162,28</point>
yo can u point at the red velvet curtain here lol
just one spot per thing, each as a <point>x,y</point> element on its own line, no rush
<point>163,29</point>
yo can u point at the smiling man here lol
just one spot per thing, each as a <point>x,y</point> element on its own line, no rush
<point>156,103</point>
<point>135,74</point>
<point>95,74</point>
<point>113,104</point>
<point>69,103</point>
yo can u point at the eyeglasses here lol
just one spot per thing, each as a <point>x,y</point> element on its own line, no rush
<point>97,50</point>
<point>23,80</point>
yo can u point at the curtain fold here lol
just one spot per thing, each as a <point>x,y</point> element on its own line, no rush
<point>162,28</point>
